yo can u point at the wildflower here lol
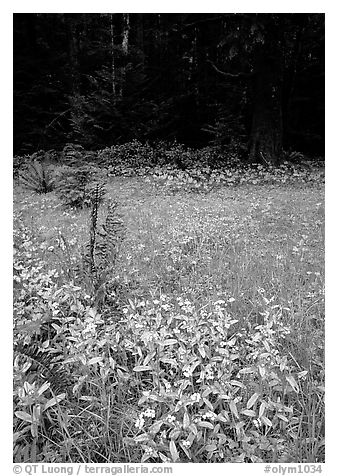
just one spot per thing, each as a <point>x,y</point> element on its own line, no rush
<point>195,397</point>
<point>171,418</point>
<point>149,413</point>
<point>186,443</point>
<point>149,451</point>
<point>187,372</point>
<point>209,416</point>
<point>231,299</point>
<point>139,422</point>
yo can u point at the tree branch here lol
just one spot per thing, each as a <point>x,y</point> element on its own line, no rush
<point>230,75</point>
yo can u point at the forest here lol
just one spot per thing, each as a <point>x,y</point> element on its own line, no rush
<point>252,83</point>
<point>168,240</point>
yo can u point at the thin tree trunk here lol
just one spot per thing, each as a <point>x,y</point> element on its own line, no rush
<point>74,72</point>
<point>125,49</point>
<point>112,54</point>
<point>140,36</point>
<point>125,33</point>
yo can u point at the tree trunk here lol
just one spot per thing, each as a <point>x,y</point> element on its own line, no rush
<point>125,50</point>
<point>140,36</point>
<point>125,33</point>
<point>112,55</point>
<point>267,120</point>
<point>74,98</point>
<point>267,124</point>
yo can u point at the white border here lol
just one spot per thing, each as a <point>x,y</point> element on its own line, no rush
<point>6,92</point>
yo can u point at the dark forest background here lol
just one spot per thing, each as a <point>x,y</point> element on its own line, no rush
<point>250,83</point>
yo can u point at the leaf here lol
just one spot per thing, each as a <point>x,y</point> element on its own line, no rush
<point>168,361</point>
<point>293,383</point>
<point>233,408</point>
<point>250,413</point>
<point>211,447</point>
<point>252,400</point>
<point>173,451</point>
<point>266,421</point>
<point>148,358</point>
<point>237,383</point>
<point>94,360</point>
<point>208,404</point>
<point>24,416</point>
<point>142,368</point>
<point>169,342</point>
<point>222,418</point>
<point>140,438</point>
<point>193,429</point>
<point>54,401</point>
<point>247,370</point>
<point>205,424</point>
<point>261,409</point>
<point>43,388</point>
<point>155,428</point>
<point>186,421</point>
<point>262,370</point>
<point>186,451</point>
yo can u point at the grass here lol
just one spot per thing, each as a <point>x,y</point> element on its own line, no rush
<point>252,246</point>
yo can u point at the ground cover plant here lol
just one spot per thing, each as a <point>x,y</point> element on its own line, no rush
<point>174,315</point>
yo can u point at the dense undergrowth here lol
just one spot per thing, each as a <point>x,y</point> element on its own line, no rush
<point>200,339</point>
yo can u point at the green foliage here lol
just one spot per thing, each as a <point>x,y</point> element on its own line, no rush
<point>74,155</point>
<point>75,185</point>
<point>173,351</point>
<point>37,177</point>
<point>211,391</point>
<point>46,365</point>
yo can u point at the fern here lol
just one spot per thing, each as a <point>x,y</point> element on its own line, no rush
<point>37,178</point>
<point>75,185</point>
<point>109,238</point>
<point>99,258</point>
<point>47,365</point>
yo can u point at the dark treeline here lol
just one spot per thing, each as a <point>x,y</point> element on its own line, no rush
<point>252,83</point>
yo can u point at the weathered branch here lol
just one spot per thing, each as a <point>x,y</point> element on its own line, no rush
<point>230,75</point>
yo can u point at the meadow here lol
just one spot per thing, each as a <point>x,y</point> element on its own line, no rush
<point>207,344</point>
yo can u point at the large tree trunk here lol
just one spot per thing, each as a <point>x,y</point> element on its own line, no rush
<point>267,124</point>
<point>267,120</point>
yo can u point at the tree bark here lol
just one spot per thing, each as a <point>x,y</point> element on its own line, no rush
<point>140,36</point>
<point>112,55</point>
<point>266,136</point>
<point>267,124</point>
<point>74,98</point>
<point>125,50</point>
<point>125,34</point>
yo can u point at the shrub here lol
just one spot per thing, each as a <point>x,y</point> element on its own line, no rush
<point>75,185</point>
<point>37,177</point>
